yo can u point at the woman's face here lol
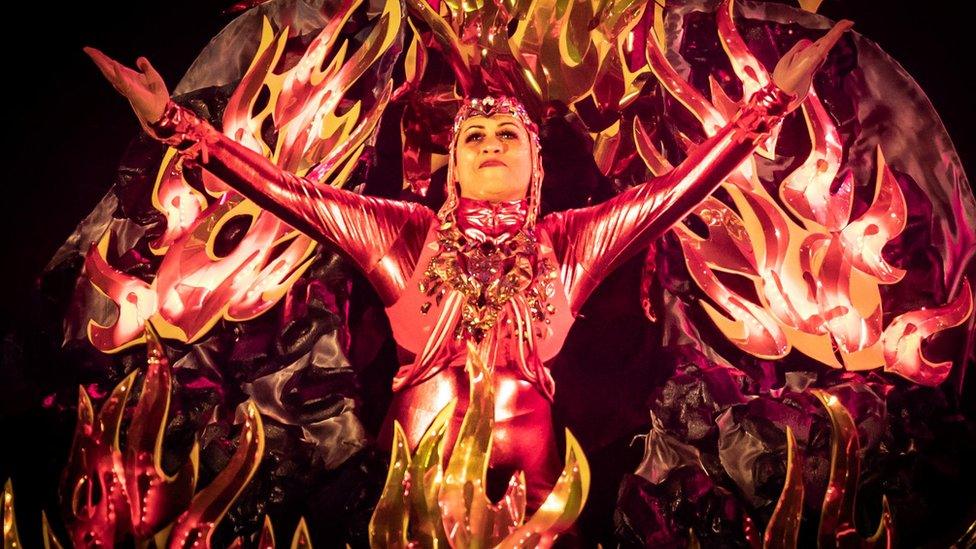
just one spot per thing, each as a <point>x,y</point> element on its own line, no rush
<point>493,158</point>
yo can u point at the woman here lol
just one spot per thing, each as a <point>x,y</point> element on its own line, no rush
<point>483,269</point>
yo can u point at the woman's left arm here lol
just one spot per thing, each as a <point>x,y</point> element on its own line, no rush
<point>590,242</point>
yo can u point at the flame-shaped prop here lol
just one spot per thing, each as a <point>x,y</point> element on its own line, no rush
<point>817,280</point>
<point>107,495</point>
<point>837,514</point>
<point>784,525</point>
<point>10,536</point>
<point>426,505</point>
<point>318,133</point>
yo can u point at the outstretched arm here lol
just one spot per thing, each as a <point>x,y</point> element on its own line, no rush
<point>591,242</point>
<point>383,237</point>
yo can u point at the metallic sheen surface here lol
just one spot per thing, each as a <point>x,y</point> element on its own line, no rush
<point>389,239</point>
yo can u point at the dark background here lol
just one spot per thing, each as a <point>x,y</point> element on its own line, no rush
<point>66,129</point>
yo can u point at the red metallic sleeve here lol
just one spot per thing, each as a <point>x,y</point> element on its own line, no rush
<point>383,237</point>
<point>590,242</point>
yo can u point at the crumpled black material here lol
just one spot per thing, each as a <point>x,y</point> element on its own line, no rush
<point>659,515</point>
<point>687,402</point>
<point>752,444</point>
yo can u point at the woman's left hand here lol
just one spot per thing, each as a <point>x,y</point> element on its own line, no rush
<point>794,72</point>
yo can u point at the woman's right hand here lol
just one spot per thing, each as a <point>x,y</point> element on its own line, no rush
<point>145,90</point>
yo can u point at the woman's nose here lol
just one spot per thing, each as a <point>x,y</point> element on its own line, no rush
<point>491,145</point>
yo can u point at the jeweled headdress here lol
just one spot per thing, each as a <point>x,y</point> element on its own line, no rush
<point>491,106</point>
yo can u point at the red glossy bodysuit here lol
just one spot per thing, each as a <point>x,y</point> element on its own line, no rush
<point>393,242</point>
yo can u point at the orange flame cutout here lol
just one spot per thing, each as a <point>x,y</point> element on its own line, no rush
<point>784,286</point>
<point>818,281</point>
<point>748,325</point>
<point>903,338</point>
<point>850,329</point>
<point>195,287</point>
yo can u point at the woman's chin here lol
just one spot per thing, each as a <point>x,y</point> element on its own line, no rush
<point>493,193</point>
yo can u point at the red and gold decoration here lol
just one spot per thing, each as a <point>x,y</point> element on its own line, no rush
<point>816,270</point>
<point>427,505</point>
<point>319,133</point>
<point>799,320</point>
<point>110,495</point>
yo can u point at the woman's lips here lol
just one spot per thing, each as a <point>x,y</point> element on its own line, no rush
<point>489,163</point>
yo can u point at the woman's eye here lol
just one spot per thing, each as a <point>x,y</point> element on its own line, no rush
<point>472,137</point>
<point>508,135</point>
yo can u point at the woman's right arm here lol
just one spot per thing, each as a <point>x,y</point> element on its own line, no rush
<point>383,237</point>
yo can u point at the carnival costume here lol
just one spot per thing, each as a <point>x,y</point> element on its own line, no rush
<point>490,273</point>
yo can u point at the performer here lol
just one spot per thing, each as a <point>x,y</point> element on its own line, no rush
<point>484,269</point>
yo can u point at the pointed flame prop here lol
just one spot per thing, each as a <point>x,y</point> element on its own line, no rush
<point>319,134</point>
<point>427,506</point>
<point>783,529</point>
<point>11,538</point>
<point>563,51</point>
<point>818,281</point>
<point>837,513</point>
<point>108,494</point>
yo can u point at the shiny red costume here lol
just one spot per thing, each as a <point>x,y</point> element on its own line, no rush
<point>396,243</point>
